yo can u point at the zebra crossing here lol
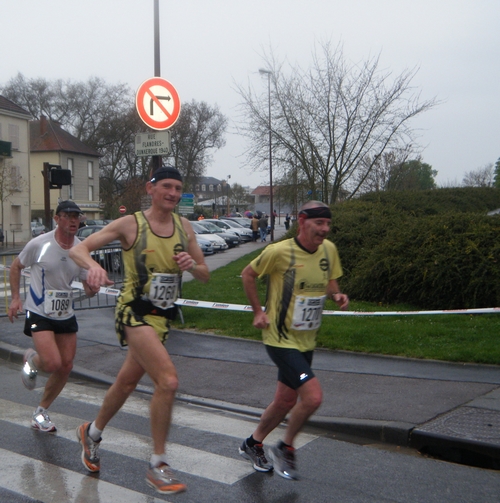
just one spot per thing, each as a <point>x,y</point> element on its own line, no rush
<point>76,485</point>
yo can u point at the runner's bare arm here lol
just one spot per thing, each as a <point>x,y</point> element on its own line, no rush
<point>249,278</point>
<point>333,292</point>
<point>193,260</point>
<point>16,304</point>
<point>121,229</point>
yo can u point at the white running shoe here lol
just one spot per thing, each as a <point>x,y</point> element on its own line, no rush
<point>41,421</point>
<point>29,372</point>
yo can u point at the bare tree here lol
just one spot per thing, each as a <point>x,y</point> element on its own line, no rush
<point>481,177</point>
<point>197,133</point>
<point>103,116</point>
<point>334,121</point>
<point>238,196</point>
<point>376,173</point>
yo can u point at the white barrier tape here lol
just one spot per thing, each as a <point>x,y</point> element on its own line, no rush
<point>242,307</point>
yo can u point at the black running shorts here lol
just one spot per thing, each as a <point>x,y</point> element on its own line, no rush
<point>36,323</point>
<point>294,367</point>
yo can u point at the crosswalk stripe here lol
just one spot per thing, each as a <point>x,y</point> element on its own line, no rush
<point>190,416</point>
<point>182,458</point>
<point>52,484</point>
<point>185,459</point>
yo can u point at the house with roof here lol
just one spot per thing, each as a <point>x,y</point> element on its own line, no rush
<point>262,200</point>
<point>15,211</point>
<point>49,142</point>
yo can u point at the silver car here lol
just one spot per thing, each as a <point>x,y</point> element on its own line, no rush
<point>244,233</point>
<point>37,228</point>
<point>218,243</point>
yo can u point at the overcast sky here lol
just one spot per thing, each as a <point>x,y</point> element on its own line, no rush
<point>207,45</point>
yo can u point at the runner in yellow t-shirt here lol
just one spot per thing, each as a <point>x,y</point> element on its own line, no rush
<point>302,273</point>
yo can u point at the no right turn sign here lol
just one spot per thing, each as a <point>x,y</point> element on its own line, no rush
<point>158,103</point>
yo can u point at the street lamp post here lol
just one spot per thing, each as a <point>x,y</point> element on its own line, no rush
<point>227,194</point>
<point>263,71</point>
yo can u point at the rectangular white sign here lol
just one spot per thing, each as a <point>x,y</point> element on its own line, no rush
<point>152,143</point>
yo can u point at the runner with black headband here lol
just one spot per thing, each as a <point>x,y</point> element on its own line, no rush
<point>302,273</point>
<point>158,246</point>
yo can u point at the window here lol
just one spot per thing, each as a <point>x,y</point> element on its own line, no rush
<point>219,187</point>
<point>90,169</point>
<point>203,188</point>
<point>71,188</point>
<point>14,136</point>
<point>91,193</point>
<point>15,178</point>
<point>210,188</point>
<point>196,187</point>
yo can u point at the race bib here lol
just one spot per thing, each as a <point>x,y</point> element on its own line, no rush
<point>58,303</point>
<point>307,312</point>
<point>163,290</point>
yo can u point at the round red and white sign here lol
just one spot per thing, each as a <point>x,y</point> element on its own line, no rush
<point>158,103</point>
<point>122,209</point>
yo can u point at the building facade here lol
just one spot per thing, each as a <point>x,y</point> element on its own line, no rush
<point>15,211</point>
<point>50,143</point>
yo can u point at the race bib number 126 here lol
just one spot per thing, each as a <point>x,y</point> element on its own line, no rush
<point>163,290</point>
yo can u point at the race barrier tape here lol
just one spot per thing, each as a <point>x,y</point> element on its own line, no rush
<point>245,308</point>
<point>242,307</point>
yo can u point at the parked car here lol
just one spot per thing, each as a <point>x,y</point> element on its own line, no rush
<point>217,242</point>
<point>96,222</point>
<point>232,239</point>
<point>204,244</point>
<point>37,228</point>
<point>244,233</point>
<point>243,221</point>
<point>109,257</point>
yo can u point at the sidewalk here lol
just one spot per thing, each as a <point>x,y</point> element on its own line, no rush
<point>448,410</point>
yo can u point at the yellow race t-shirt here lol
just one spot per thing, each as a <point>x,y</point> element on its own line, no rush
<point>296,291</point>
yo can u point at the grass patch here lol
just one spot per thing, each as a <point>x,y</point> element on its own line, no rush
<point>455,338</point>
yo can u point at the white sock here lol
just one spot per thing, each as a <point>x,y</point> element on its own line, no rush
<point>158,459</point>
<point>30,360</point>
<point>39,409</point>
<point>94,432</point>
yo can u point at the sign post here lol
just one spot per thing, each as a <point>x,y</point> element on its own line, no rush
<point>158,105</point>
<point>186,204</point>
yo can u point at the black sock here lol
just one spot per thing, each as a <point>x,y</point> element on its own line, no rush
<point>251,441</point>
<point>282,445</point>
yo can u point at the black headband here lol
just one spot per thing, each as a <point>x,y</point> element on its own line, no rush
<point>166,172</point>
<point>318,212</point>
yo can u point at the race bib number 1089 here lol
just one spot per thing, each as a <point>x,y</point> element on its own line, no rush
<point>58,303</point>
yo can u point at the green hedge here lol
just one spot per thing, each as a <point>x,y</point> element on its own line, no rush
<point>433,249</point>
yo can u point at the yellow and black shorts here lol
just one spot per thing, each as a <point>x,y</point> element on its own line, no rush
<point>126,317</point>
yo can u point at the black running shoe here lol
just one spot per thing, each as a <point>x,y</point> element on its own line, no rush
<point>256,455</point>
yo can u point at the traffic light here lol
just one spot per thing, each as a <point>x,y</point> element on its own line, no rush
<point>58,176</point>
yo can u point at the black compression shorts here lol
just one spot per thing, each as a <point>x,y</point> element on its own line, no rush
<point>294,367</point>
<point>36,323</point>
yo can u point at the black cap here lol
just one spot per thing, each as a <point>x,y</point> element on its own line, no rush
<point>68,207</point>
<point>166,172</point>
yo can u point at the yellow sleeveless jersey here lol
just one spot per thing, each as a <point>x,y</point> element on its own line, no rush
<point>296,291</point>
<point>150,255</point>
